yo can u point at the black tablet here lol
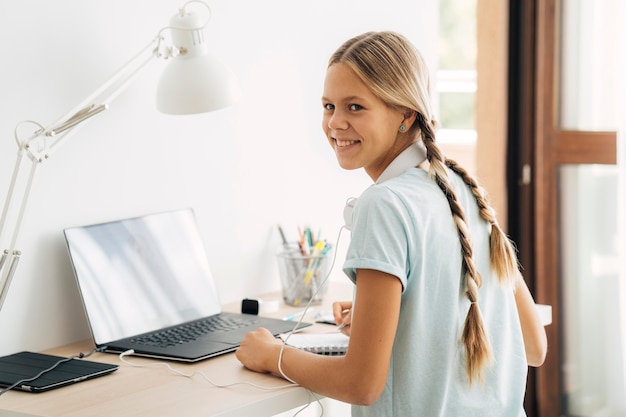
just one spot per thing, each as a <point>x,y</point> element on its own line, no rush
<point>25,366</point>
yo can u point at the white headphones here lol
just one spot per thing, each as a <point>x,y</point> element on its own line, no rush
<point>409,158</point>
<point>347,212</point>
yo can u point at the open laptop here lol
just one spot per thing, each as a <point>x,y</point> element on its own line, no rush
<point>147,278</point>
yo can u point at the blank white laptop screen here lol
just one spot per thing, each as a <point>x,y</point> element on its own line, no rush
<point>142,274</point>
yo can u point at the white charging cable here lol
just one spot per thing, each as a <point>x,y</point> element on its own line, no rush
<point>306,308</point>
<point>173,370</point>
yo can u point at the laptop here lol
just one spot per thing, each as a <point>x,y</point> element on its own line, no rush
<point>29,371</point>
<point>146,285</point>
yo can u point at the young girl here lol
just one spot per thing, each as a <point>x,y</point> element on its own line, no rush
<point>442,322</point>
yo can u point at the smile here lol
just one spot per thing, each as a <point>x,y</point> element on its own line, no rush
<point>342,143</point>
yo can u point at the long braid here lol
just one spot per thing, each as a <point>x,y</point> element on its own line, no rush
<point>502,253</point>
<point>477,346</point>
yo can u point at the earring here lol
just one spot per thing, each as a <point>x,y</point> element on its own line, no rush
<point>402,128</point>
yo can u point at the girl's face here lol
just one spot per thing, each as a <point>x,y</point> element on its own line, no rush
<point>360,127</point>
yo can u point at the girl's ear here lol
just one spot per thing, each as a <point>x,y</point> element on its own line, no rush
<point>409,118</point>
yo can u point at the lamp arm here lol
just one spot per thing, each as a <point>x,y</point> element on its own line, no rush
<point>40,145</point>
<point>11,256</point>
<point>11,191</point>
<point>68,124</point>
<point>44,140</point>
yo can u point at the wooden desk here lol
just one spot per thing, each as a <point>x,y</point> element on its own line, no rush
<point>156,391</point>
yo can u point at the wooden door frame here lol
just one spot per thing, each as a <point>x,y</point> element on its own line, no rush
<point>537,148</point>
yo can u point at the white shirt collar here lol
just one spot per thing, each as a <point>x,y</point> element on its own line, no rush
<point>409,158</point>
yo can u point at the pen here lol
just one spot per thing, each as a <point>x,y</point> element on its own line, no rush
<point>319,247</point>
<point>302,243</point>
<point>343,324</point>
<point>283,237</point>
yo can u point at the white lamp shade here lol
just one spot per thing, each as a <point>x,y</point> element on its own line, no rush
<point>197,84</point>
<point>194,81</point>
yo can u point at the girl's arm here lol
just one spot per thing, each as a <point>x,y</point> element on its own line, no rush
<point>358,377</point>
<point>533,331</point>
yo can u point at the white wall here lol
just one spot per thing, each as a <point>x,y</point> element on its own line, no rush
<point>243,169</point>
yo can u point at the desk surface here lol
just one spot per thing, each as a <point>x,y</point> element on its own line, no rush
<point>156,391</point>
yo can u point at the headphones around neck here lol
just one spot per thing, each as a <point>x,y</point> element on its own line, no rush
<point>347,212</point>
<point>412,156</point>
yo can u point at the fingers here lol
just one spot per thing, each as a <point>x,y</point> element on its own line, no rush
<point>342,312</point>
<point>260,337</point>
<point>255,350</point>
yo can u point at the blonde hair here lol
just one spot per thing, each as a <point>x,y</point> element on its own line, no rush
<point>396,72</point>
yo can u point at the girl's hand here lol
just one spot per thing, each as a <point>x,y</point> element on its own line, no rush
<point>259,351</point>
<point>342,312</point>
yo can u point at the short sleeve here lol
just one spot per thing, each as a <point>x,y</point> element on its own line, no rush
<point>380,235</point>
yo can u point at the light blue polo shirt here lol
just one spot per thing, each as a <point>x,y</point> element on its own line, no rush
<point>404,227</point>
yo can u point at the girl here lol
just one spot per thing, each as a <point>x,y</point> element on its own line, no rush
<point>442,322</point>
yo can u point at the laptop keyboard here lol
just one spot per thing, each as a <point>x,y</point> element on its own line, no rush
<point>191,331</point>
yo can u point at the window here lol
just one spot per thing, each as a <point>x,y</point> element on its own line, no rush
<point>456,80</point>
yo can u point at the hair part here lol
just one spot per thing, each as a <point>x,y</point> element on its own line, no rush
<point>396,72</point>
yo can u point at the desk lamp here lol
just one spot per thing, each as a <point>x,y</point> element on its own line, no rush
<point>194,81</point>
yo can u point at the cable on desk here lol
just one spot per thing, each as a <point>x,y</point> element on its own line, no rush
<point>295,328</point>
<point>191,375</point>
<point>51,368</point>
<point>129,352</point>
<point>306,308</point>
<point>312,397</point>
